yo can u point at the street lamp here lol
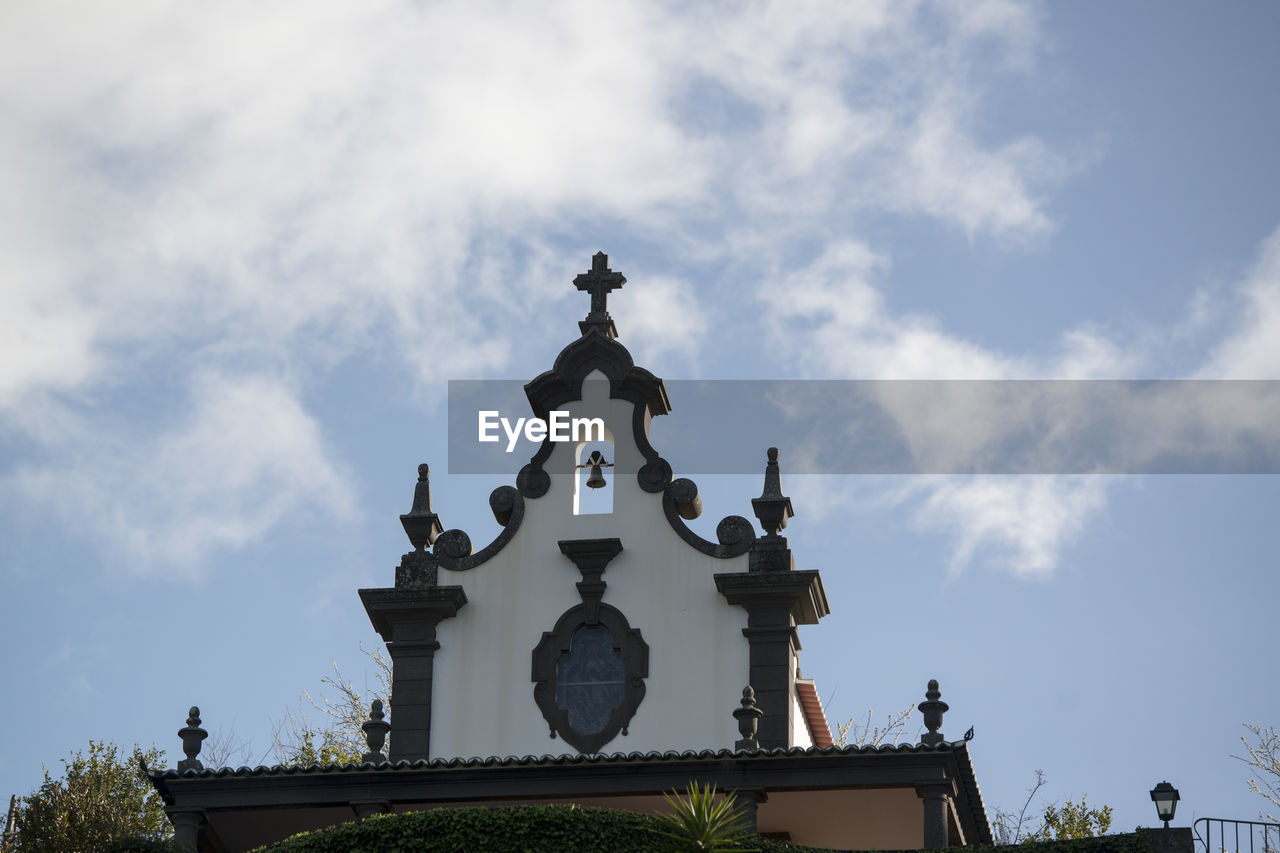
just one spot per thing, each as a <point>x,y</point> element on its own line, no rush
<point>1165,796</point>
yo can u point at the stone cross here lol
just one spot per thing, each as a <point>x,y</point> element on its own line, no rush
<point>598,282</point>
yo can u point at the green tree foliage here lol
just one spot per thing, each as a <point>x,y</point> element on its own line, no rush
<point>1074,821</point>
<point>1057,823</point>
<point>103,802</point>
<point>698,822</point>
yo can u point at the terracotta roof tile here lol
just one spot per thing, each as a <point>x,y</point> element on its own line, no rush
<point>814,717</point>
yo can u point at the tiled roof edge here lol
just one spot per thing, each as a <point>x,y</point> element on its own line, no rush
<point>552,760</point>
<point>972,793</point>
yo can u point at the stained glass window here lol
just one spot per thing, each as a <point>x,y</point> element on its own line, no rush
<point>589,679</point>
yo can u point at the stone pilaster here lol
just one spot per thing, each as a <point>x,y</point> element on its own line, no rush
<point>407,619</point>
<point>186,827</point>
<point>776,602</point>
<point>937,796</point>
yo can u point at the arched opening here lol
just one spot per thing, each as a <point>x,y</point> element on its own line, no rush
<point>590,495</point>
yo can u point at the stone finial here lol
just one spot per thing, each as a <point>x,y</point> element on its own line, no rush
<point>748,717</point>
<point>375,734</point>
<point>933,709</point>
<point>192,735</point>
<point>421,524</point>
<point>598,281</point>
<point>772,507</point>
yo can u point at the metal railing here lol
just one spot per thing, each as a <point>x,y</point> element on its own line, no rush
<point>1261,837</point>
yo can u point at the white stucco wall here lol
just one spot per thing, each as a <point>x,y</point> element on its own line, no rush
<point>482,700</point>
<point>799,728</point>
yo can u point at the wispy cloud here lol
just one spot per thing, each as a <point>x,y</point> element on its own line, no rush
<point>231,193</point>
<point>242,457</point>
<point>1252,349</point>
<point>835,323</point>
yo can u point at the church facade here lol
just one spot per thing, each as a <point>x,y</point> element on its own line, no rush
<point>600,651</point>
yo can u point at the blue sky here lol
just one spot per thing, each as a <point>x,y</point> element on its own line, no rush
<point>243,249</point>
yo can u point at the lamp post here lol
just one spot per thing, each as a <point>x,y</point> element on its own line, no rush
<point>1165,796</point>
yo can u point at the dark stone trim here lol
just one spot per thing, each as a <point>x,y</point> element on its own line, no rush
<point>655,474</point>
<point>187,825</point>
<point>406,619</point>
<point>775,605</point>
<point>594,351</point>
<point>747,802</point>
<point>937,794</point>
<point>591,556</point>
<point>453,549</point>
<point>680,500</point>
<point>635,656</point>
<point>563,384</point>
<point>801,591</point>
<point>425,784</point>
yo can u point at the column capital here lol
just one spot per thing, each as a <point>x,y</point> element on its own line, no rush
<point>945,787</point>
<point>186,825</point>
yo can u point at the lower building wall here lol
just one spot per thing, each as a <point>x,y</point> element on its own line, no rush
<point>857,819</point>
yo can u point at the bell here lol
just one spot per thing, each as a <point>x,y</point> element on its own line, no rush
<point>596,479</point>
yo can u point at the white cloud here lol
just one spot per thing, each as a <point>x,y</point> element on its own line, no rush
<point>834,323</point>
<point>1252,349</point>
<point>665,317</point>
<point>243,458</point>
<point>1021,523</point>
<point>244,190</point>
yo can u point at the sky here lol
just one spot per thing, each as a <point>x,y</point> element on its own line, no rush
<point>244,247</point>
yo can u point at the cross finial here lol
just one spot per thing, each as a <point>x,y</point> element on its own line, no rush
<point>598,282</point>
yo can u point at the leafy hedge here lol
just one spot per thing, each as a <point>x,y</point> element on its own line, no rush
<point>1133,842</point>
<point>504,829</point>
<point>556,829</point>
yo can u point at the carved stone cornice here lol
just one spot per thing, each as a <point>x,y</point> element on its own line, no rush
<point>388,607</point>
<point>801,593</point>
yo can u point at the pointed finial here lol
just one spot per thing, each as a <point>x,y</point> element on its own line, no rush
<point>422,491</point>
<point>748,716</point>
<point>772,507</point>
<point>375,734</point>
<point>192,736</point>
<point>598,281</point>
<point>932,709</point>
<point>421,524</point>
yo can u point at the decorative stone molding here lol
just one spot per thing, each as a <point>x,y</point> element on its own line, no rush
<point>597,350</point>
<point>453,549</point>
<point>186,826</point>
<point>375,734</point>
<point>192,736</point>
<point>406,619</point>
<point>680,501</point>
<point>748,715</point>
<point>591,556</point>
<point>775,603</point>
<point>933,709</point>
